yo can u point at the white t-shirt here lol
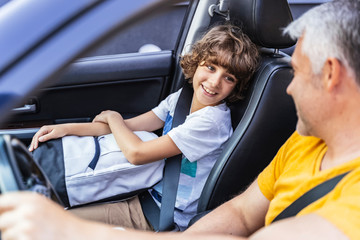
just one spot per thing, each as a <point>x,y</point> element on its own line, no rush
<point>201,139</point>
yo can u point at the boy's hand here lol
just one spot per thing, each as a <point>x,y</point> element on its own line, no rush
<point>105,115</point>
<point>46,133</point>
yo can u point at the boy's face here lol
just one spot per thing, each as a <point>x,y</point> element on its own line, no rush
<point>212,84</point>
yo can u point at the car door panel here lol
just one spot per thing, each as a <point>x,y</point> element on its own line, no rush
<point>128,83</point>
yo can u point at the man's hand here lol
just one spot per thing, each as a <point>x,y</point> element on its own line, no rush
<point>29,215</point>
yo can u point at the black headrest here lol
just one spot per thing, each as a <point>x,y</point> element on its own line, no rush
<point>263,21</point>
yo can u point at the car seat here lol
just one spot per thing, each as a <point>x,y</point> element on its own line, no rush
<point>267,116</point>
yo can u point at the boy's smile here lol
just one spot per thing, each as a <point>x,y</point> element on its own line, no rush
<point>212,84</point>
<point>208,90</point>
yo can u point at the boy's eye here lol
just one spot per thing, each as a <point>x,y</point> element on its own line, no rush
<point>230,79</point>
<point>211,68</point>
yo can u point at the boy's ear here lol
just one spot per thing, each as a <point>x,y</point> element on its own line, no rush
<point>331,73</point>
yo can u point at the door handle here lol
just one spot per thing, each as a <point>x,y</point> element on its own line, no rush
<point>27,108</point>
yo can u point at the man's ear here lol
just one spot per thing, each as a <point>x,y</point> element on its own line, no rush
<point>331,73</point>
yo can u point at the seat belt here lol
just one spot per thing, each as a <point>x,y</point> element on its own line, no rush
<point>310,196</point>
<point>164,220</point>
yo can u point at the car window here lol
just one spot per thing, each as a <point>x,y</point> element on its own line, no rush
<point>159,32</point>
<point>298,7</point>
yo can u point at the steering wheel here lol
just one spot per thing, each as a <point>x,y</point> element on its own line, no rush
<point>19,171</point>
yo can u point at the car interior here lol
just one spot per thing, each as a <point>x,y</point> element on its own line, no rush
<point>262,121</point>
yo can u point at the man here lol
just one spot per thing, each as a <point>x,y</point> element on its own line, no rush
<point>326,91</point>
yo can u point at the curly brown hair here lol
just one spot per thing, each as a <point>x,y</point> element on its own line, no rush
<point>226,46</point>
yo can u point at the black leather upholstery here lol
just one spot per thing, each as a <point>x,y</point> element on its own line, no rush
<point>263,21</point>
<point>267,116</point>
<point>268,121</point>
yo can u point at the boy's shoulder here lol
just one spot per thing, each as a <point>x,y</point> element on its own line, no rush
<point>173,98</point>
<point>168,104</point>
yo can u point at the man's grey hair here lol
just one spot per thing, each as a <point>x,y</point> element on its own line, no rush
<point>330,30</point>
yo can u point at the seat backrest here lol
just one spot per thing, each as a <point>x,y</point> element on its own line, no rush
<point>267,116</point>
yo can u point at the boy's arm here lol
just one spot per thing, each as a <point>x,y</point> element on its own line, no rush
<point>145,122</point>
<point>48,132</point>
<point>135,150</point>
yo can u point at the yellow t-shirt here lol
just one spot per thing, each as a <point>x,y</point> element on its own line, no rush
<point>296,170</point>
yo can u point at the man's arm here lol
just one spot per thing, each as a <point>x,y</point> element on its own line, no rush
<point>310,227</point>
<point>240,216</point>
<point>245,215</point>
<point>26,215</point>
<point>31,216</point>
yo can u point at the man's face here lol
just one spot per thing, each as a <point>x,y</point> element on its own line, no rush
<point>307,91</point>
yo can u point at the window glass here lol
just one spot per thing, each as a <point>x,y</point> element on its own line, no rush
<point>158,32</point>
<point>298,7</point>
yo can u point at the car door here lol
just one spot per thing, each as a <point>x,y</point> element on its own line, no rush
<point>129,73</point>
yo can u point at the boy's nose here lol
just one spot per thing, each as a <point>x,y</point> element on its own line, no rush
<point>215,81</point>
